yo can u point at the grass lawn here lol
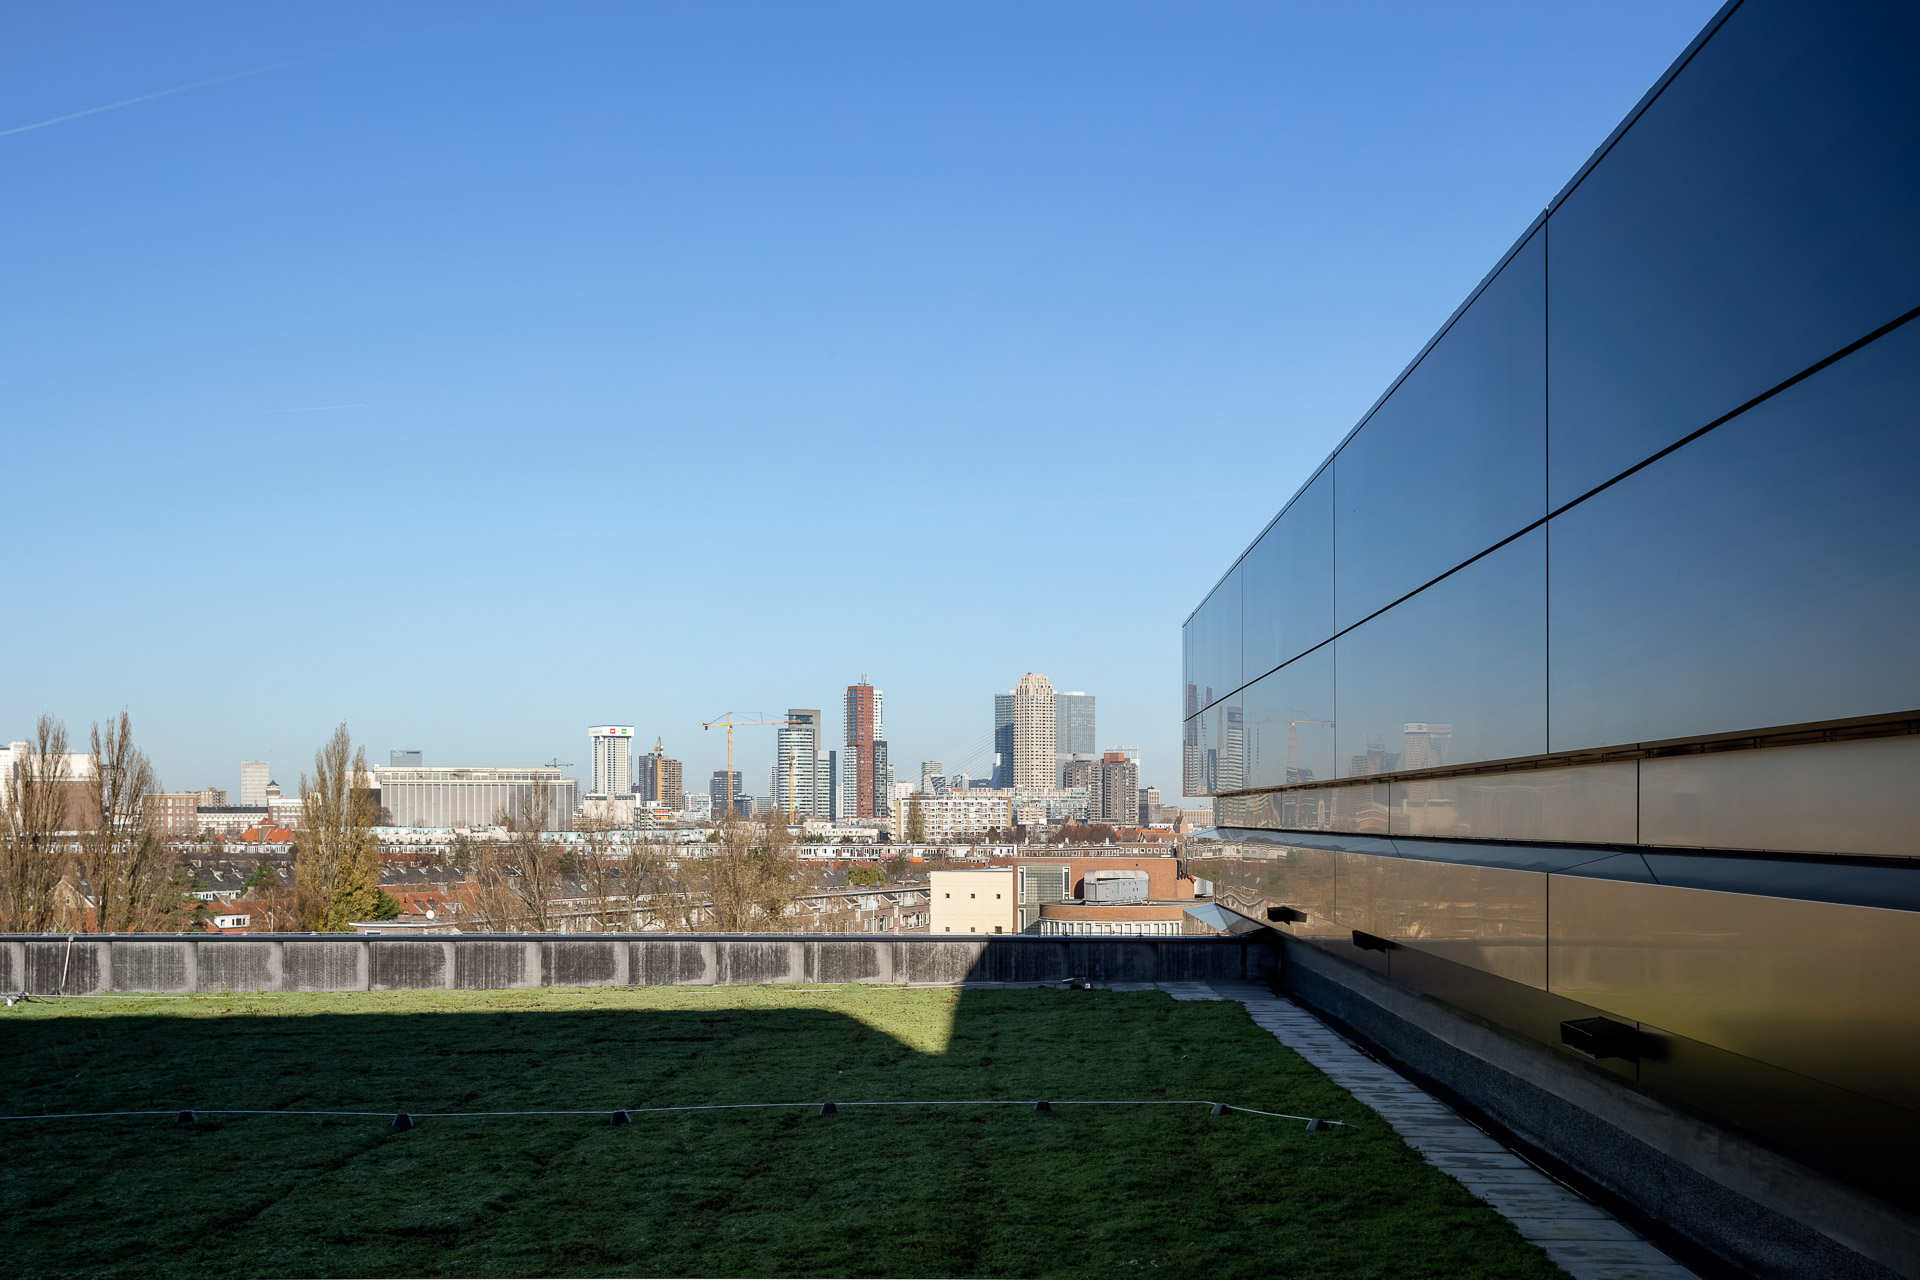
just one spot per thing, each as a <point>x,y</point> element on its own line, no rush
<point>868,1191</point>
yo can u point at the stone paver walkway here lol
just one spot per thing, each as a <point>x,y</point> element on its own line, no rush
<point>1584,1239</point>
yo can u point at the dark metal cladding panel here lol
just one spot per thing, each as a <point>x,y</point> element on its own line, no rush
<point>659,962</point>
<point>151,966</point>
<point>485,966</point>
<point>56,967</point>
<point>322,966</point>
<point>1819,988</point>
<point>236,966</point>
<point>586,963</point>
<point>407,965</point>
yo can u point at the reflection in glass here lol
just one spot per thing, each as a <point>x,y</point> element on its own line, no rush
<point>1591,803</point>
<point>1289,723</point>
<point>1755,219</point>
<point>1221,755</point>
<point>1453,675</point>
<point>1210,647</point>
<point>1455,460</point>
<point>1288,581</point>
<point>1765,574</point>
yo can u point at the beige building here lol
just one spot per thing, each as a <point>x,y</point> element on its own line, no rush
<point>973,901</point>
<point>956,816</point>
<point>1033,734</point>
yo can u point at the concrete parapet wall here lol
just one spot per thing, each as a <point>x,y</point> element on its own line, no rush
<point>176,964</point>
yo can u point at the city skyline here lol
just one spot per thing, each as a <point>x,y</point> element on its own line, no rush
<point>357,341</point>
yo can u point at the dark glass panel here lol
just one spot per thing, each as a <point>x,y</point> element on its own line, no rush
<point>1210,645</point>
<point>1755,219</point>
<point>1289,723</point>
<point>1455,460</point>
<point>1453,675</point>
<point>1766,574</point>
<point>1288,581</point>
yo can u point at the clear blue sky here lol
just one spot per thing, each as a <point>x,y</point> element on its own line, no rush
<point>476,373</point>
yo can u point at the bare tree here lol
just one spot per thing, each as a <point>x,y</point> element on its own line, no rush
<point>124,859</point>
<point>33,851</point>
<point>336,861</point>
<point>753,874</point>
<point>519,878</point>
<point>666,885</point>
<point>605,874</point>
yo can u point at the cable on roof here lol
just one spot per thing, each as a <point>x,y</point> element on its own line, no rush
<point>824,1108</point>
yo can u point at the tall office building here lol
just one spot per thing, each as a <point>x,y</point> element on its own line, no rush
<point>1073,733</point>
<point>659,780</point>
<point>254,776</point>
<point>1149,806</point>
<point>827,770</point>
<point>1119,790</point>
<point>1033,734</point>
<point>929,770</point>
<point>612,759</point>
<point>1623,747</point>
<point>882,781</point>
<point>799,788</point>
<point>863,730</point>
<point>1002,740</point>
<point>846,796</point>
<point>724,788</point>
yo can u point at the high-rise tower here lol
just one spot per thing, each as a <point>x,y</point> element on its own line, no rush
<point>863,730</point>
<point>1033,734</point>
<point>612,759</point>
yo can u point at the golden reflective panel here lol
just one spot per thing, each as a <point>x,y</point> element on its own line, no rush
<point>1819,988</point>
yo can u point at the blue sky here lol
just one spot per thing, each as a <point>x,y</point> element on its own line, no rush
<point>477,373</point>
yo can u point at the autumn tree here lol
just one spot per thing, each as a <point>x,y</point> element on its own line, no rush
<point>34,852</point>
<point>752,874</point>
<point>123,858</point>
<point>336,860</point>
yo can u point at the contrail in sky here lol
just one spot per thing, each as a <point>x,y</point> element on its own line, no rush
<point>167,93</point>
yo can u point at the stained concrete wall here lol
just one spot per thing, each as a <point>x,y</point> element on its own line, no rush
<point>176,964</point>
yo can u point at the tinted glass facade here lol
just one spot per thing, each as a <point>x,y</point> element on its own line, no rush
<point>1583,671</point>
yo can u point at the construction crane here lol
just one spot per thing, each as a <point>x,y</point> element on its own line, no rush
<point>558,763</point>
<point>1293,745</point>
<point>728,723</point>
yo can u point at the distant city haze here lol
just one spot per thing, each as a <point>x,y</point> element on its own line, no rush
<point>476,376</point>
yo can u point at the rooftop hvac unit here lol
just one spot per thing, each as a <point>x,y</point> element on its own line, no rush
<point>1116,886</point>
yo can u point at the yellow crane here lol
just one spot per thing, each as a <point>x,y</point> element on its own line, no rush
<point>728,723</point>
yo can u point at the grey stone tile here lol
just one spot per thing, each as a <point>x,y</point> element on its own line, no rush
<point>1520,1204</point>
<point>1572,1230</point>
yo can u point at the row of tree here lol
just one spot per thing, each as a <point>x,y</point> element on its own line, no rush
<point>81,853</point>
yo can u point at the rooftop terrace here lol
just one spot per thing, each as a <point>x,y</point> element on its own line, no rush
<point>915,1191</point>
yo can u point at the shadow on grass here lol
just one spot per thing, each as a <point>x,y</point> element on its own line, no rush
<point>881,1191</point>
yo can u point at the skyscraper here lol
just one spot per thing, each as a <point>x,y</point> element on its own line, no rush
<point>1002,740</point>
<point>798,788</point>
<point>1033,734</point>
<point>254,776</point>
<point>1072,726</point>
<point>863,730</point>
<point>612,764</point>
<point>659,780</point>
<point>1119,790</point>
<point>882,781</point>
<point>722,787</point>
